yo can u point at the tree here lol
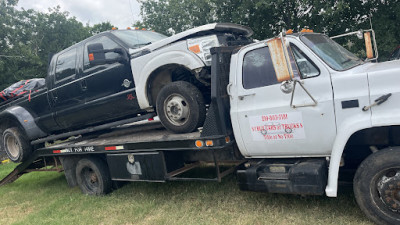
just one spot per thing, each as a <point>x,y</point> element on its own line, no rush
<point>98,28</point>
<point>268,17</point>
<point>28,38</point>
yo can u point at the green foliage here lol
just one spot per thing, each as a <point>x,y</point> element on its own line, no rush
<point>44,198</point>
<point>28,38</point>
<point>268,17</point>
<point>98,28</point>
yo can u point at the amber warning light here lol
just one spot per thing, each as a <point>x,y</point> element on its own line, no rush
<point>199,143</point>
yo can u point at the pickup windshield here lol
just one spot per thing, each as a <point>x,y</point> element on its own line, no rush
<point>333,54</point>
<point>138,38</point>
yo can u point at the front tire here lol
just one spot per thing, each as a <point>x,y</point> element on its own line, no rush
<point>180,106</point>
<point>93,177</point>
<point>377,186</point>
<point>16,145</point>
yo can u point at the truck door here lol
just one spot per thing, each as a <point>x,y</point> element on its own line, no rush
<point>65,96</point>
<point>108,88</point>
<point>261,108</point>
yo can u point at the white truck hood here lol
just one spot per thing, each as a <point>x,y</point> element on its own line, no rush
<point>217,27</point>
<point>384,79</point>
<point>383,67</point>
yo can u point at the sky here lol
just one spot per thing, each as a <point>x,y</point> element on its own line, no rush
<point>120,13</point>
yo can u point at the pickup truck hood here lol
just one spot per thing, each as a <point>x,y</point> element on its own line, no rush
<point>198,31</point>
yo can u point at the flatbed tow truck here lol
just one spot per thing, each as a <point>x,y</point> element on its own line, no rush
<point>289,115</point>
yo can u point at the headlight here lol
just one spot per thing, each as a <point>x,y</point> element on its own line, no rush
<point>201,46</point>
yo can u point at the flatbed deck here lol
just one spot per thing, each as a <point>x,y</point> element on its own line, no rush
<point>135,133</point>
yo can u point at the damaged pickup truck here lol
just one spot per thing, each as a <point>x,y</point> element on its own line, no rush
<point>116,75</point>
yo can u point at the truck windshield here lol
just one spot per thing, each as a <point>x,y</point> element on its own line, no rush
<point>337,57</point>
<point>138,38</point>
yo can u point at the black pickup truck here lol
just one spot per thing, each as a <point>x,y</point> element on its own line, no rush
<point>97,81</point>
<point>79,92</point>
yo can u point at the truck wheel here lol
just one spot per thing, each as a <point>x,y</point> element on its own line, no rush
<point>377,186</point>
<point>16,145</point>
<point>180,106</point>
<point>93,177</point>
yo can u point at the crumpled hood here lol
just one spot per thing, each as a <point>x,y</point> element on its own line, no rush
<point>217,27</point>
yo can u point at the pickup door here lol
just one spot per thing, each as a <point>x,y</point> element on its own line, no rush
<point>87,94</point>
<point>108,88</point>
<point>65,94</point>
<point>261,111</point>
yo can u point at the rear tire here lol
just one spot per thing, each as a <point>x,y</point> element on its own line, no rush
<point>16,145</point>
<point>377,186</point>
<point>93,177</point>
<point>180,106</point>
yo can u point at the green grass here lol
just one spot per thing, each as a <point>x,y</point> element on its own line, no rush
<point>45,198</point>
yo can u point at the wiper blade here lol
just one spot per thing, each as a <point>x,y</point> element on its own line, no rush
<point>141,44</point>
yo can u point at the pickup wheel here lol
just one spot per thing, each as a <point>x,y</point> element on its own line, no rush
<point>16,145</point>
<point>93,177</point>
<point>180,106</point>
<point>377,186</point>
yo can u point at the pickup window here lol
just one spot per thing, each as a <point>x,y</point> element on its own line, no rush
<point>258,70</point>
<point>65,66</point>
<point>138,38</point>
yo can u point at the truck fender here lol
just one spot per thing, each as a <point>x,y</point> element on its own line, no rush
<point>144,66</point>
<point>25,119</point>
<point>347,128</point>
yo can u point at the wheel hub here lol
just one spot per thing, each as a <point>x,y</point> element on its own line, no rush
<point>93,178</point>
<point>389,190</point>
<point>12,146</point>
<point>177,109</point>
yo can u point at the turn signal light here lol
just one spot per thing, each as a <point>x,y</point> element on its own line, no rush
<point>209,143</point>
<point>199,143</point>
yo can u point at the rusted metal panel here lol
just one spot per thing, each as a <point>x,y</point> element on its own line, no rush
<point>368,45</point>
<point>278,59</point>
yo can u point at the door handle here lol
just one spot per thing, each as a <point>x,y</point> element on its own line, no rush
<point>228,89</point>
<point>54,96</point>
<point>241,97</point>
<point>83,85</point>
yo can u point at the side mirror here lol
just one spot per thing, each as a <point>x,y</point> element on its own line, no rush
<point>368,45</point>
<point>97,54</point>
<point>280,59</point>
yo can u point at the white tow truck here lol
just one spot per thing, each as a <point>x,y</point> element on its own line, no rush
<point>289,115</point>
